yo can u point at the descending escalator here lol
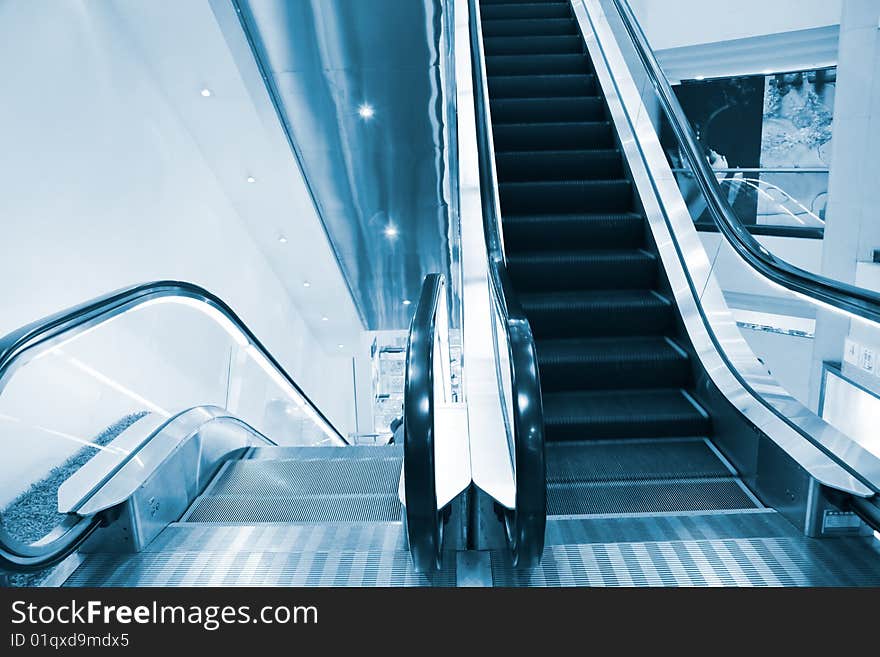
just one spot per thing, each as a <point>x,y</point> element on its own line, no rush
<point>638,492</point>
<point>221,472</point>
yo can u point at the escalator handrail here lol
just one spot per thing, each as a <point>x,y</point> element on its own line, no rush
<point>16,555</point>
<point>849,298</point>
<point>423,522</point>
<point>526,523</point>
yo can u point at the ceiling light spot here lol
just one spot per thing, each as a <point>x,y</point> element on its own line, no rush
<point>700,77</point>
<point>391,231</point>
<point>251,179</point>
<point>366,111</point>
<point>406,302</point>
<point>341,346</point>
<point>205,92</point>
<point>306,284</point>
<point>325,318</point>
<point>282,239</point>
<point>767,72</point>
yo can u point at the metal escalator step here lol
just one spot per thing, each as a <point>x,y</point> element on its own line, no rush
<point>573,231</point>
<point>308,477</point>
<point>553,136</point>
<point>632,460</point>
<point>566,196</point>
<point>582,270</point>
<point>559,64</point>
<point>315,508</point>
<point>519,27</point>
<point>325,452</point>
<point>620,414</point>
<point>586,164</point>
<point>332,568</point>
<point>525,10</point>
<point>541,86</point>
<point>547,110</point>
<point>597,313</point>
<point>339,536</point>
<point>618,362</point>
<point>532,45</point>
<point>658,496</point>
<point>775,561</point>
<point>695,526</point>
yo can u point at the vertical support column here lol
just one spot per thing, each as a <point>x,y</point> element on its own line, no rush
<point>852,231</point>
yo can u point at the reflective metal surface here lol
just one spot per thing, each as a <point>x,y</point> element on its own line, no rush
<point>723,352</point>
<point>359,88</point>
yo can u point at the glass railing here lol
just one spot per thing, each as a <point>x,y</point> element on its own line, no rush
<point>803,346</point>
<point>98,378</point>
<point>780,202</point>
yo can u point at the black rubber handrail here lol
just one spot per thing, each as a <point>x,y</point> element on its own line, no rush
<point>526,522</point>
<point>16,555</point>
<point>852,299</point>
<point>424,524</point>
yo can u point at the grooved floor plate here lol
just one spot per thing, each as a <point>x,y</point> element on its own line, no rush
<point>317,508</point>
<point>725,562</point>
<point>340,568</point>
<point>614,461</point>
<point>302,478</point>
<point>361,537</point>
<point>646,497</point>
<point>760,523</point>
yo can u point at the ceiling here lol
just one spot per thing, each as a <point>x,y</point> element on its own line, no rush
<point>358,87</point>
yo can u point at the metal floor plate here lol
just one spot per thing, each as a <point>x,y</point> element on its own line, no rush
<point>339,568</point>
<point>359,537</point>
<point>722,562</point>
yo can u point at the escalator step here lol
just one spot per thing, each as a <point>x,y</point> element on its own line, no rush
<point>537,65</point>
<point>553,136</point>
<point>546,110</point>
<point>525,166</point>
<point>582,270</point>
<point>316,508</point>
<point>647,497</point>
<point>619,362</point>
<point>519,27</point>
<point>542,86</point>
<point>539,45</point>
<point>597,313</point>
<point>573,231</point>
<point>566,196</point>
<point>291,478</point>
<point>619,414</point>
<point>632,460</point>
<point>525,10</point>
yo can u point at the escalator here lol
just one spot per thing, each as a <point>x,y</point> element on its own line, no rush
<point>237,481</point>
<point>638,490</point>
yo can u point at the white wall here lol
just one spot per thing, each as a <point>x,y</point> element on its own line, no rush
<point>105,182</point>
<point>676,23</point>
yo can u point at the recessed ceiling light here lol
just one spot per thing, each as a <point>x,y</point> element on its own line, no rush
<point>341,346</point>
<point>406,302</point>
<point>391,231</point>
<point>205,92</point>
<point>700,77</point>
<point>366,111</point>
<point>282,239</point>
<point>306,284</point>
<point>251,179</point>
<point>325,318</point>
